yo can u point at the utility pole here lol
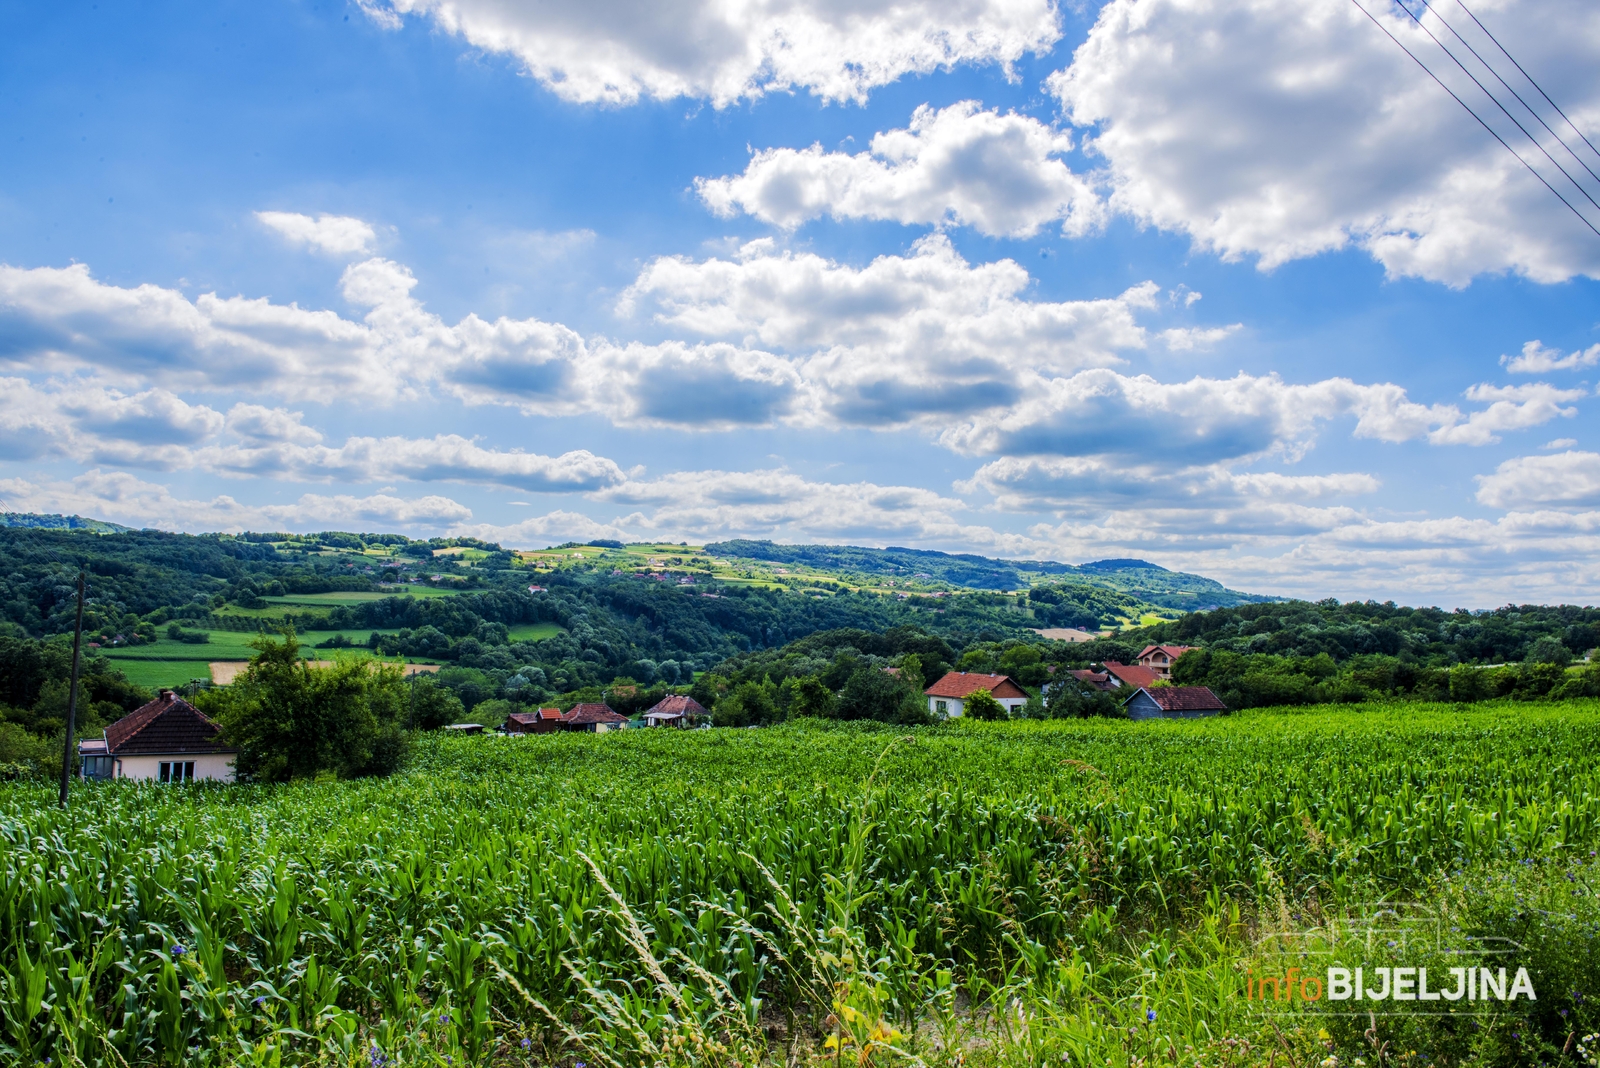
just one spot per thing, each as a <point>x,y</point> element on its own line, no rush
<point>72,699</point>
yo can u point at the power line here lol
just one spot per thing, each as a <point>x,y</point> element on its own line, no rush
<point>1528,76</point>
<point>1492,133</point>
<point>1528,107</point>
<point>1496,101</point>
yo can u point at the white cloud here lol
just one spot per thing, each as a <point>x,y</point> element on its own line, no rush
<point>999,174</point>
<point>1198,338</point>
<point>335,235</point>
<point>610,51</point>
<point>1510,408</point>
<point>122,498</point>
<point>1560,443</point>
<point>1570,478</point>
<point>1285,130</point>
<point>541,531</point>
<point>1536,359</point>
<point>903,339</point>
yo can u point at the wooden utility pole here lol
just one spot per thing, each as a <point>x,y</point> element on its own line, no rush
<point>67,753</point>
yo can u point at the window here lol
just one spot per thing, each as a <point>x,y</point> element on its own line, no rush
<point>941,707</point>
<point>98,767</point>
<point>177,771</point>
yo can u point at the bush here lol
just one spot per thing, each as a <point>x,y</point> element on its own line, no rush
<point>980,704</point>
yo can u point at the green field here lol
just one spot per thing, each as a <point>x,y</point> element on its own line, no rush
<point>532,632</point>
<point>1058,893</point>
<point>167,663</point>
<point>352,597</point>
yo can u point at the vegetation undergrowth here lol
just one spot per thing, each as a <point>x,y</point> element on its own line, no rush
<point>1064,892</point>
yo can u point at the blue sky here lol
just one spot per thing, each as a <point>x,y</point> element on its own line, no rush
<point>1224,284</point>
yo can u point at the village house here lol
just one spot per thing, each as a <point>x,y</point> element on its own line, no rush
<point>1128,674</point>
<point>1173,702</point>
<point>595,718</point>
<point>676,710</point>
<point>540,721</point>
<point>1160,658</point>
<point>167,740</point>
<point>947,697</point>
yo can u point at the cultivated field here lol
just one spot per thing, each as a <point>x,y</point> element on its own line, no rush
<point>1025,893</point>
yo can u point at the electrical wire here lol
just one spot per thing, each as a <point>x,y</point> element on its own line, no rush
<point>1559,139</point>
<point>1496,101</point>
<point>1492,132</point>
<point>1528,76</point>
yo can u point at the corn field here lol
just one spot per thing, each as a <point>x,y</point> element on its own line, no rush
<point>727,897</point>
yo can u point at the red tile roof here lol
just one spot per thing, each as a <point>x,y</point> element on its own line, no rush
<point>1131,674</point>
<point>962,684</point>
<point>547,714</point>
<point>680,704</point>
<point>526,719</point>
<point>585,715</point>
<point>1185,699</point>
<point>169,724</point>
<point>1100,680</point>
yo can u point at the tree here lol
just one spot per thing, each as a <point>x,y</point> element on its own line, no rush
<point>872,693</point>
<point>750,704</point>
<point>808,697</point>
<point>1548,650</point>
<point>1068,700</point>
<point>431,705</point>
<point>980,704</point>
<point>289,720</point>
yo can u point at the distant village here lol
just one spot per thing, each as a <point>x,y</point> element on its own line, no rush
<point>169,740</point>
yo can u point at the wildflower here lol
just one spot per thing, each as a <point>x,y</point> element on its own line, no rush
<point>445,1018</point>
<point>1150,1015</point>
<point>527,1043</point>
<point>178,950</point>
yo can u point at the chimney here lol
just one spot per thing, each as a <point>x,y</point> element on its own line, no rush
<point>168,695</point>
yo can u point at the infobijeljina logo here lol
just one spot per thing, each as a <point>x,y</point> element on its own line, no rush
<point>1386,959</point>
<point>1395,984</point>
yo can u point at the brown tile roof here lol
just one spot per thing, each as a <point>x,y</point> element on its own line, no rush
<point>547,714</point>
<point>1130,674</point>
<point>1172,651</point>
<point>961,684</point>
<point>169,724</point>
<point>525,719</point>
<point>1185,699</point>
<point>677,703</point>
<point>584,715</point>
<point>1100,680</point>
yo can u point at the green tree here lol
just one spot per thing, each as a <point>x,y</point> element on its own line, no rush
<point>1069,700</point>
<point>1548,650</point>
<point>807,696</point>
<point>980,704</point>
<point>872,693</point>
<point>750,704</point>
<point>289,720</point>
<point>431,706</point>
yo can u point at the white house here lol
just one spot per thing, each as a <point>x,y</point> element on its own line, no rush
<point>167,740</point>
<point>948,696</point>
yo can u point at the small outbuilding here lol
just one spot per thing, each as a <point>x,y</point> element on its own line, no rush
<point>677,710</point>
<point>1173,702</point>
<point>948,696</point>
<point>168,740</point>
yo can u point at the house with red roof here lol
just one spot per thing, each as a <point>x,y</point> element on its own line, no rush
<point>947,697</point>
<point>539,721</point>
<point>1128,674</point>
<point>1160,658</point>
<point>676,710</point>
<point>1173,702</point>
<point>167,740</point>
<point>595,718</point>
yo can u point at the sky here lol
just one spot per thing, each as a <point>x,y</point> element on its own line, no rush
<point>1234,286</point>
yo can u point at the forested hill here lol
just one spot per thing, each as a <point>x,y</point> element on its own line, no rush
<point>1148,582</point>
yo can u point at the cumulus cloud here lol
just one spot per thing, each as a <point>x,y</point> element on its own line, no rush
<point>1286,130</point>
<point>1564,479</point>
<point>1510,408</point>
<point>545,530</point>
<point>123,498</point>
<point>1000,174</point>
<point>1536,359</point>
<point>334,235</point>
<point>607,51</point>
<point>904,338</point>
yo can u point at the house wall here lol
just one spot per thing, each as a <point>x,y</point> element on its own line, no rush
<point>954,705</point>
<point>218,766</point>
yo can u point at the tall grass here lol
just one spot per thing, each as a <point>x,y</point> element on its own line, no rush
<point>1010,893</point>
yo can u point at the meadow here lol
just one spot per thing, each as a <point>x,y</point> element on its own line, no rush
<point>1065,892</point>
